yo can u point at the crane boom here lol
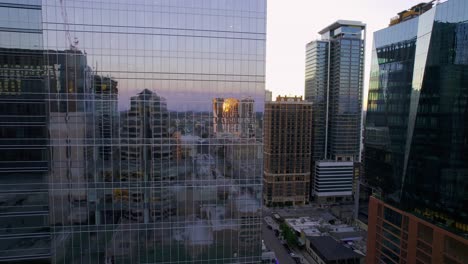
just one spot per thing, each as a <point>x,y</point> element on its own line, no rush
<point>63,9</point>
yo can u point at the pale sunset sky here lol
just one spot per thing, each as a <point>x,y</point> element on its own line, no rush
<point>292,24</point>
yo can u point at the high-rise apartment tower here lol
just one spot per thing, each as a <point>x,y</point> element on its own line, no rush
<point>287,152</point>
<point>334,83</point>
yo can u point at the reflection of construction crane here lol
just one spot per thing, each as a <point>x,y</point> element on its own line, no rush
<point>73,44</point>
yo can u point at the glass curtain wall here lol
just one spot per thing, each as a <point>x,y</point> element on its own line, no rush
<point>24,225</point>
<point>145,121</point>
<point>417,116</point>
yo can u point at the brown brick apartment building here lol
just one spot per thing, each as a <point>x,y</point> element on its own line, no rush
<point>395,236</point>
<point>287,151</point>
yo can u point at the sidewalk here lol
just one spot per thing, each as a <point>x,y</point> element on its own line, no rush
<point>308,257</point>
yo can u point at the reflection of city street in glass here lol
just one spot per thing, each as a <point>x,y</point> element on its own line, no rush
<point>146,171</point>
<point>113,149</point>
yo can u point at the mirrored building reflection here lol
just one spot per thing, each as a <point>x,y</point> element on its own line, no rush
<point>416,137</point>
<point>233,116</point>
<point>112,149</point>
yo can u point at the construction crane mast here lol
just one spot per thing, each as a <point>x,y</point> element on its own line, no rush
<point>73,44</point>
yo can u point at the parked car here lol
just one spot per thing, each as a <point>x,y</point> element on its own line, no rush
<point>287,248</point>
<point>278,217</point>
<point>296,258</point>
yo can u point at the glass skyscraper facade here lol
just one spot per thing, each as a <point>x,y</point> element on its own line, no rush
<point>333,83</point>
<point>24,203</point>
<point>416,136</point>
<point>110,141</point>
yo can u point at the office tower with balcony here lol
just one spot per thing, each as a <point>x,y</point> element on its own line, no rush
<point>333,179</point>
<point>287,151</point>
<point>106,131</point>
<point>334,83</point>
<point>416,137</point>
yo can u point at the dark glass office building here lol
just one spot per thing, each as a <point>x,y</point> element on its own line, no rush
<point>416,137</point>
<point>24,191</point>
<point>109,149</point>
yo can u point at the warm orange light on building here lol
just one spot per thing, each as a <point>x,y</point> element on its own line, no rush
<point>395,236</point>
<point>229,104</point>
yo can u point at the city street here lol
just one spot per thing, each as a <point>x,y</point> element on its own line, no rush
<point>274,244</point>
